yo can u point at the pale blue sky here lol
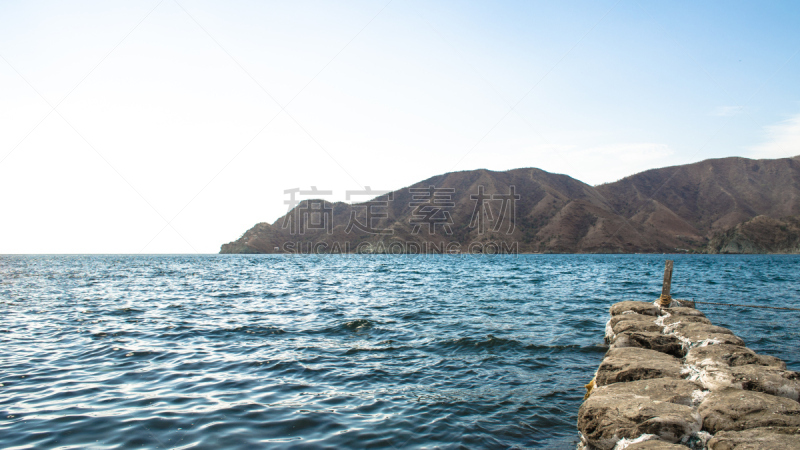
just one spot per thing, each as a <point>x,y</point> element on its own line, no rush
<point>165,104</point>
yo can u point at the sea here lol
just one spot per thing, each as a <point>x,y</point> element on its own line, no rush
<point>338,351</point>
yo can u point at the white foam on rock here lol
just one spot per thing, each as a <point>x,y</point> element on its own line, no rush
<point>610,335</point>
<point>624,443</point>
<point>715,376</point>
<point>686,343</point>
<point>698,396</point>
<point>670,329</point>
<point>660,320</point>
<point>711,377</point>
<point>583,443</point>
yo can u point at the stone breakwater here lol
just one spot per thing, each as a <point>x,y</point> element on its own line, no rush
<point>672,380</point>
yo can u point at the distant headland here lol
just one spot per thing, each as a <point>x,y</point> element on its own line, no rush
<point>728,205</point>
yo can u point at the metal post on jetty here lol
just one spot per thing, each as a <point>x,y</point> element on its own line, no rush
<point>665,298</point>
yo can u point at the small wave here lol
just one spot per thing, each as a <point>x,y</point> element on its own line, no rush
<point>490,342</point>
<point>126,311</point>
<point>233,294</point>
<point>270,294</point>
<point>291,367</point>
<point>418,315</point>
<point>183,332</point>
<point>358,324</point>
<point>254,330</point>
<point>356,350</point>
<point>572,347</point>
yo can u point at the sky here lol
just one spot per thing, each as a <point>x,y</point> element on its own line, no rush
<point>174,126</point>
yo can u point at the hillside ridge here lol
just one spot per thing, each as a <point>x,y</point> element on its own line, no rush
<point>671,209</point>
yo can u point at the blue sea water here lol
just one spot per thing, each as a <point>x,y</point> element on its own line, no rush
<point>235,351</point>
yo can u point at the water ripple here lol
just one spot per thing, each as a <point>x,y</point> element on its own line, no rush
<point>337,351</point>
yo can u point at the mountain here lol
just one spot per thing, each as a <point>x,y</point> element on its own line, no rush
<point>710,195</point>
<point>529,210</point>
<point>761,234</point>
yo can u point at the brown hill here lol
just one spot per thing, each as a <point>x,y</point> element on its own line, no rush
<point>761,234</point>
<point>659,210</point>
<point>710,195</point>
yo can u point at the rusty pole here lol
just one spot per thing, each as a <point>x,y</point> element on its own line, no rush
<point>665,299</point>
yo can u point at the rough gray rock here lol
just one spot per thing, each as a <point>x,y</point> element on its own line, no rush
<point>687,327</point>
<point>655,445</point>
<point>684,311</point>
<point>605,417</point>
<point>636,325</point>
<point>630,322</point>
<point>645,308</point>
<point>735,410</point>
<point>631,363</point>
<point>750,401</point>
<point>770,380</point>
<point>632,317</point>
<point>729,355</point>
<point>766,438</point>
<point>685,319</point>
<point>669,390</point>
<point>771,361</point>
<point>664,343</point>
<point>700,337</point>
<point>698,334</point>
<point>718,367</point>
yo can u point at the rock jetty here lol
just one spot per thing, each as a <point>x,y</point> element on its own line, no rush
<point>672,380</point>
